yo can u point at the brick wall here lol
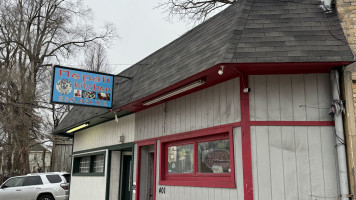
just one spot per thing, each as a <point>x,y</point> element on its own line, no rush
<point>347,15</point>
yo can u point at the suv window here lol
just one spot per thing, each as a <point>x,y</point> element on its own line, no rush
<point>32,180</point>
<point>67,177</point>
<point>14,182</point>
<point>54,178</point>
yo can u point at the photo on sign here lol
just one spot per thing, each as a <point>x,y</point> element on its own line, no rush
<point>104,96</point>
<point>77,93</point>
<point>89,94</point>
<point>64,86</point>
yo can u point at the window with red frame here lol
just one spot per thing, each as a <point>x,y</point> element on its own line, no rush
<point>198,161</point>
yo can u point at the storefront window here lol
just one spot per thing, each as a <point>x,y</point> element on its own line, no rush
<point>181,159</point>
<point>199,158</point>
<point>214,157</point>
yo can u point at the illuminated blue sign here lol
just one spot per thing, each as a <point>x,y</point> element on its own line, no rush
<point>73,86</point>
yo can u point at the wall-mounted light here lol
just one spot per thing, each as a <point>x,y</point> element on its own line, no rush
<point>78,128</point>
<point>174,92</point>
<point>121,139</point>
<point>221,70</point>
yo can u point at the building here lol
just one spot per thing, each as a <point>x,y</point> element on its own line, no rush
<point>236,108</point>
<point>39,158</point>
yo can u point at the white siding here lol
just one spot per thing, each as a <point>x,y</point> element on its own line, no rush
<point>294,163</point>
<point>207,193</point>
<point>105,134</point>
<point>89,187</point>
<point>216,105</point>
<point>299,97</point>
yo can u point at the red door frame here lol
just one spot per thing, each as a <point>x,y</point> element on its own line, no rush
<point>138,173</point>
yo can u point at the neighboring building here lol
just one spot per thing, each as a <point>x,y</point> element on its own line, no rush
<point>236,108</point>
<point>61,154</point>
<point>39,158</point>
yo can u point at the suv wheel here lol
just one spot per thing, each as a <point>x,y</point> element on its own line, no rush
<point>46,197</point>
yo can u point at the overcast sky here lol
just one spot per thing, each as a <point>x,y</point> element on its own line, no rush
<point>142,29</point>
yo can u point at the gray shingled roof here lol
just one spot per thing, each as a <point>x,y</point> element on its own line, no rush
<point>249,31</point>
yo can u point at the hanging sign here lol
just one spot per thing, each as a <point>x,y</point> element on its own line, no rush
<point>79,87</point>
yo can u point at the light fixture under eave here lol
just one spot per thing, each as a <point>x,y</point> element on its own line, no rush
<point>78,128</point>
<point>174,92</point>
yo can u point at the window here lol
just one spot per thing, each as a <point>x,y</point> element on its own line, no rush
<point>32,180</point>
<point>14,182</point>
<point>54,178</point>
<point>84,165</point>
<point>200,158</point>
<point>99,163</point>
<point>92,164</point>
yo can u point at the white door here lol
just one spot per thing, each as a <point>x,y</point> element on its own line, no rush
<point>32,185</point>
<point>12,189</point>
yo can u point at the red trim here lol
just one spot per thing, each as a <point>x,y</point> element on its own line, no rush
<point>188,134</point>
<point>246,140</point>
<point>138,168</point>
<point>226,180</point>
<point>233,70</point>
<point>292,123</point>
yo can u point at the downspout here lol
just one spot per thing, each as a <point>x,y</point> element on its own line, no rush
<point>339,131</point>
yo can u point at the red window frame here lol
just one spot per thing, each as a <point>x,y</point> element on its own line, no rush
<point>223,180</point>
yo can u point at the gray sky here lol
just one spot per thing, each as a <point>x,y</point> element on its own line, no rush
<point>142,29</point>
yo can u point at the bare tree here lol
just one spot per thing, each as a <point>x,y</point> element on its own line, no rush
<point>34,33</point>
<point>192,10</point>
<point>96,58</point>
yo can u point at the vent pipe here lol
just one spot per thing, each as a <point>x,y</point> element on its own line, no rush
<point>339,137</point>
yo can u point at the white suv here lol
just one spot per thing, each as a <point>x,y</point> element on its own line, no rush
<point>39,186</point>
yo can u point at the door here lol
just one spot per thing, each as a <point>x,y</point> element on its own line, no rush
<point>126,174</point>
<point>31,187</point>
<point>12,189</point>
<point>147,167</point>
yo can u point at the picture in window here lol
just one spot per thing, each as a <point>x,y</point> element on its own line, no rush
<point>181,159</point>
<point>214,157</point>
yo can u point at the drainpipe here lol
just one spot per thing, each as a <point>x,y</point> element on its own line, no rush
<point>339,131</point>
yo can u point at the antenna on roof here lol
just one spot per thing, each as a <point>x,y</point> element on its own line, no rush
<point>325,5</point>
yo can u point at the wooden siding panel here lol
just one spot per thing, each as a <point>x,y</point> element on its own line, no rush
<point>276,156</point>
<point>316,162</point>
<point>216,105</point>
<point>311,97</point>
<point>298,97</point>
<point>252,97</point>
<point>94,187</point>
<point>273,104</point>
<point>286,97</point>
<point>324,96</point>
<point>204,114</point>
<point>236,99</point>
<point>105,134</point>
<point>239,192</point>
<point>210,107</point>
<point>329,162</point>
<point>223,103</point>
<point>263,164</point>
<point>299,161</point>
<point>230,104</point>
<point>302,158</point>
<point>289,160</point>
<point>261,98</point>
<point>254,159</point>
